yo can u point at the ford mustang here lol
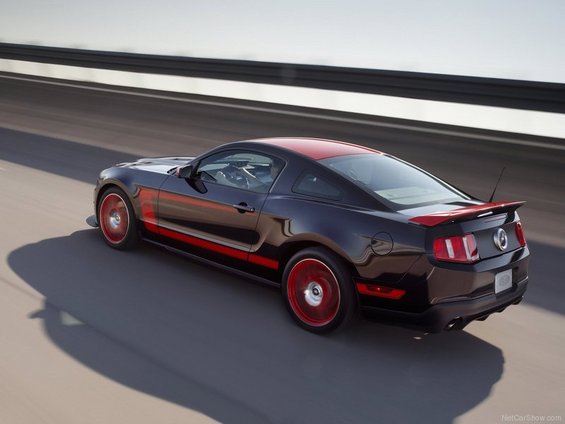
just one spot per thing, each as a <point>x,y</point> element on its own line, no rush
<point>342,229</point>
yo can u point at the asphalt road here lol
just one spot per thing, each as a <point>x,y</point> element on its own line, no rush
<point>91,335</point>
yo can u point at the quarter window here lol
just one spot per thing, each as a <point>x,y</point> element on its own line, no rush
<point>314,185</point>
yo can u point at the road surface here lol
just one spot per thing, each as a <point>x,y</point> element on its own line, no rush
<point>92,335</point>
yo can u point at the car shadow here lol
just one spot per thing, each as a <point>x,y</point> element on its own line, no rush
<point>213,342</point>
<point>546,288</point>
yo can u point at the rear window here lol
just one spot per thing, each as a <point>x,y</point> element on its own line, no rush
<point>393,181</point>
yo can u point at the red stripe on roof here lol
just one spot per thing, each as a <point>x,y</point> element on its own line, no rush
<point>317,148</point>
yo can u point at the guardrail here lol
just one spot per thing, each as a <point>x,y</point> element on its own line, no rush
<point>517,94</point>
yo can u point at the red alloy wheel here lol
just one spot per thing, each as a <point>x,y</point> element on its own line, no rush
<point>313,292</point>
<point>114,218</point>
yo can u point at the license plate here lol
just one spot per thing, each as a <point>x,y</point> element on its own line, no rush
<point>503,281</point>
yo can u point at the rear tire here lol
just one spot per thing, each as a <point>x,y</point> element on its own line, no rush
<point>117,219</point>
<point>317,288</point>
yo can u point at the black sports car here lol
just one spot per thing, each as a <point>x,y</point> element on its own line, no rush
<point>341,228</point>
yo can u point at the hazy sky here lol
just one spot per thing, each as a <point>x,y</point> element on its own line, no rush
<point>507,38</point>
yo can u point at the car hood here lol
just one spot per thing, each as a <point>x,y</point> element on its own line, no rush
<point>160,165</point>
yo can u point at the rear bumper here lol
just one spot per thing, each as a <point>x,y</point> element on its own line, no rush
<point>453,315</point>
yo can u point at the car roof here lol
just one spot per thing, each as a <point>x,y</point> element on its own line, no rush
<point>316,148</point>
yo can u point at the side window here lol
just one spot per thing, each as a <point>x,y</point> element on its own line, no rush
<point>312,185</point>
<point>242,169</point>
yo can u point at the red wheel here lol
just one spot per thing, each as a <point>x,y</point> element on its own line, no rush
<point>313,292</point>
<point>116,218</point>
<point>318,290</point>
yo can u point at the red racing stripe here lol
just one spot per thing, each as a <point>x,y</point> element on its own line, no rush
<point>261,260</point>
<point>204,244</point>
<point>148,201</point>
<point>176,198</point>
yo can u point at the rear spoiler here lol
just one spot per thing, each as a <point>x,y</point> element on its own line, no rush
<point>466,213</point>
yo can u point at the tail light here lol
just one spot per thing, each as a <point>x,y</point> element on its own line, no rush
<point>520,234</point>
<point>456,249</point>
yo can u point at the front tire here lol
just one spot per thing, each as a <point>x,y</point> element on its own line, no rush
<point>318,291</point>
<point>117,219</point>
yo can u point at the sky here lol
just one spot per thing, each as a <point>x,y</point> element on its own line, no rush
<point>512,39</point>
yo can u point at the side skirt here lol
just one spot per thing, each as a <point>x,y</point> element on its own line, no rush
<point>215,264</point>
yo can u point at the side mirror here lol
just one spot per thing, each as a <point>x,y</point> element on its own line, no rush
<point>184,171</point>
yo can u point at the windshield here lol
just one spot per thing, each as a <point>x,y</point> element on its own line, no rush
<point>394,182</point>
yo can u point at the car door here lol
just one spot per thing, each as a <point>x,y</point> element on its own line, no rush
<point>215,211</point>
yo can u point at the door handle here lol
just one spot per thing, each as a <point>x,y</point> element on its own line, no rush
<point>243,207</point>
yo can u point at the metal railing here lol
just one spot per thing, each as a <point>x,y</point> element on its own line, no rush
<point>529,95</point>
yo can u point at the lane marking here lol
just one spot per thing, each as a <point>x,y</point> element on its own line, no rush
<point>356,121</point>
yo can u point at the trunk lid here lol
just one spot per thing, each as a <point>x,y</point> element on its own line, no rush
<point>495,226</point>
